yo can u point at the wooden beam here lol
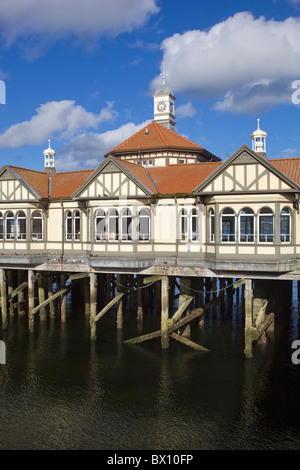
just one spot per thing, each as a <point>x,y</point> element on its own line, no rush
<point>54,296</point>
<point>140,339</point>
<point>108,306</point>
<point>72,277</point>
<point>148,280</point>
<point>194,314</point>
<point>264,327</point>
<point>17,290</point>
<point>239,283</point>
<point>181,310</point>
<point>189,343</point>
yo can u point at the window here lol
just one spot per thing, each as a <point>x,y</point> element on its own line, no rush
<point>76,225</point>
<point>100,229</point>
<point>194,225</point>
<point>37,225</point>
<point>72,225</point>
<point>1,226</point>
<point>113,225</point>
<point>181,161</point>
<point>144,225</point>
<point>10,226</point>
<point>126,225</point>
<point>183,225</point>
<point>69,225</point>
<point>212,230</point>
<point>246,225</point>
<point>285,225</point>
<point>266,225</point>
<point>21,226</point>
<point>228,226</point>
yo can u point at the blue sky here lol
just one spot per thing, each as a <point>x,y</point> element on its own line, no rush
<point>82,74</point>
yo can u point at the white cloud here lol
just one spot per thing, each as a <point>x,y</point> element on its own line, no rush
<point>57,19</point>
<point>185,110</point>
<point>236,58</point>
<point>88,150</point>
<point>55,118</point>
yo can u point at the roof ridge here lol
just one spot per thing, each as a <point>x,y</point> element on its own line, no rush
<point>179,135</point>
<point>160,133</point>
<point>129,139</point>
<point>284,158</point>
<point>74,171</point>
<point>26,169</point>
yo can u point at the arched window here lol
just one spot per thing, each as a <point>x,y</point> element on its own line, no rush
<point>113,225</point>
<point>21,226</point>
<point>10,226</point>
<point>212,230</point>
<point>76,225</point>
<point>126,224</point>
<point>266,225</point>
<point>37,225</point>
<point>144,225</point>
<point>246,219</point>
<point>194,225</point>
<point>100,228</point>
<point>183,225</point>
<point>1,226</point>
<point>228,225</point>
<point>69,234</point>
<point>285,225</point>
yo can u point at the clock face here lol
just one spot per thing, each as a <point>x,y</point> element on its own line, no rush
<point>161,106</point>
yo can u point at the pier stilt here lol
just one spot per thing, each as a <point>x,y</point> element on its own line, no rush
<point>30,300</point>
<point>164,312</point>
<point>93,306</point>
<point>3,298</point>
<point>248,318</point>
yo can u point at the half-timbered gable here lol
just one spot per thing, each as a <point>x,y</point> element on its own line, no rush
<point>113,179</point>
<point>246,172</point>
<point>17,184</point>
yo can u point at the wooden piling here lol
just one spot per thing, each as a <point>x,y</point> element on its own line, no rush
<point>93,306</point>
<point>164,312</point>
<point>120,289</point>
<point>41,295</point>
<point>3,289</point>
<point>30,300</point>
<point>248,318</point>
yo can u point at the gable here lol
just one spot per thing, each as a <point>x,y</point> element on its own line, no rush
<point>111,180</point>
<point>246,172</point>
<point>14,189</point>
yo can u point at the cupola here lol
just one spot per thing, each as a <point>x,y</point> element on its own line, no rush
<point>49,160</point>
<point>259,141</point>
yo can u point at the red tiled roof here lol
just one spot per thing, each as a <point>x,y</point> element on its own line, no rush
<point>181,178</point>
<point>155,136</point>
<point>37,180</point>
<point>289,166</point>
<point>140,173</point>
<point>64,184</point>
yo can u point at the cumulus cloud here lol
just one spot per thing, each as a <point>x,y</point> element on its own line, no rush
<point>59,19</point>
<point>240,61</point>
<point>55,118</point>
<point>87,150</point>
<point>185,110</point>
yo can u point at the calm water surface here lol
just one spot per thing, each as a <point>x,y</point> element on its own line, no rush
<point>59,391</point>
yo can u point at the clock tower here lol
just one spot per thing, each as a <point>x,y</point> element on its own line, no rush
<point>164,104</point>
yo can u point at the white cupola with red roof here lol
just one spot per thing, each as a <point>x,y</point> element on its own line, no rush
<point>164,104</point>
<point>259,141</point>
<point>49,160</point>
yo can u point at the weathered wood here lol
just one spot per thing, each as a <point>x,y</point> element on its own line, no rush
<point>146,337</point>
<point>194,314</point>
<point>75,276</point>
<point>180,310</point>
<point>120,283</point>
<point>50,294</point>
<point>17,290</point>
<point>3,299</point>
<point>108,306</point>
<point>93,306</point>
<point>249,329</point>
<point>188,342</point>
<point>63,303</point>
<point>62,291</point>
<point>239,283</point>
<point>41,294</point>
<point>148,280</point>
<point>10,280</point>
<point>265,326</point>
<point>164,322</point>
<point>30,300</point>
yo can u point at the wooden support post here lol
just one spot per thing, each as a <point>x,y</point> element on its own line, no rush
<point>139,298</point>
<point>41,292</point>
<point>93,306</point>
<point>185,290</point>
<point>50,294</point>
<point>3,298</point>
<point>86,286</point>
<point>63,303</point>
<point>10,289</point>
<point>22,285</point>
<point>30,301</point>
<point>164,312</point>
<point>120,289</point>
<point>248,318</point>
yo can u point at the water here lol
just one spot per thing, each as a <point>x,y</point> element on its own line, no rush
<point>59,391</point>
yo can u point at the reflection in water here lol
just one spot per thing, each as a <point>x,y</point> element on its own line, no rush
<point>60,391</point>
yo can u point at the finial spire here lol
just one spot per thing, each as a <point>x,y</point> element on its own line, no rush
<point>49,143</point>
<point>258,123</point>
